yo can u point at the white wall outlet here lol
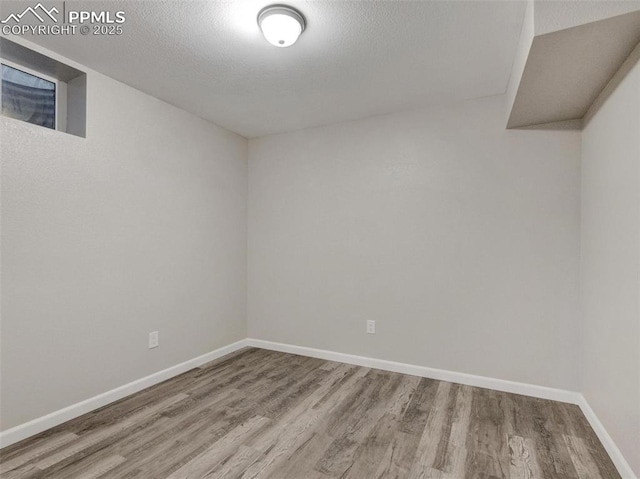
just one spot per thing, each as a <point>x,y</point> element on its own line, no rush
<point>154,340</point>
<point>371,326</point>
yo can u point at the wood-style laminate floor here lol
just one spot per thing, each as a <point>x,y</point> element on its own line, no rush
<point>259,414</point>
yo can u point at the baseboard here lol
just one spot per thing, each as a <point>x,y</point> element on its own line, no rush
<point>469,379</point>
<point>31,428</point>
<point>423,371</point>
<point>614,453</point>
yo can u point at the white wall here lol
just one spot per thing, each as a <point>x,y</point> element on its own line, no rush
<point>139,227</point>
<point>461,239</point>
<point>610,263</point>
<point>522,54</point>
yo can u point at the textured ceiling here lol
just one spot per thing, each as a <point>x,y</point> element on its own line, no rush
<point>356,58</point>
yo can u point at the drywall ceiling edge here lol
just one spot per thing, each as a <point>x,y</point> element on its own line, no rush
<point>557,76</point>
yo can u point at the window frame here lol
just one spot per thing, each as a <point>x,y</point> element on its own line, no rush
<point>60,93</point>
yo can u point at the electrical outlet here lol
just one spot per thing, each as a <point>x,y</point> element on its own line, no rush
<point>154,340</point>
<point>371,326</point>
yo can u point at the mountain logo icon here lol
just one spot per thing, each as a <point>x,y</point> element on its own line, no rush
<point>34,10</point>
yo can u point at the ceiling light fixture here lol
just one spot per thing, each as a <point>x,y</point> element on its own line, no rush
<point>281,25</point>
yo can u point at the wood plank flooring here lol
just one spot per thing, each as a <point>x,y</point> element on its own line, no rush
<point>264,414</point>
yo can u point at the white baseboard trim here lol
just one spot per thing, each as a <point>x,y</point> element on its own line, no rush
<point>614,453</point>
<point>425,372</point>
<point>31,428</point>
<point>469,379</point>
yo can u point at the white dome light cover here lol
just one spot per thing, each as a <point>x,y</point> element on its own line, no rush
<point>281,25</point>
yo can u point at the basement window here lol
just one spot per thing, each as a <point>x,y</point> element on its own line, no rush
<point>29,97</point>
<point>41,90</point>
